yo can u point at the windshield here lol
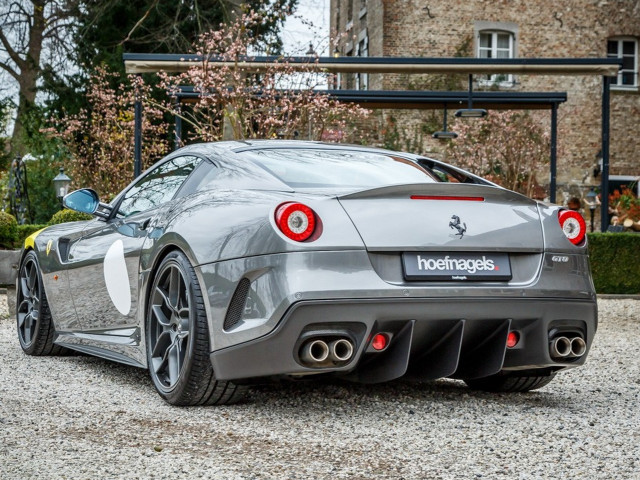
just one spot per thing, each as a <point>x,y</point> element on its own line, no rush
<point>315,168</point>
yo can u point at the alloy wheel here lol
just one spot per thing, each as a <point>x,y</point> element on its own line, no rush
<point>169,325</point>
<point>28,310</point>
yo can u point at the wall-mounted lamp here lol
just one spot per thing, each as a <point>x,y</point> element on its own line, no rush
<point>471,112</point>
<point>444,134</point>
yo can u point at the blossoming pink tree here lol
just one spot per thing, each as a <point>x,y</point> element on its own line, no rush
<point>235,102</point>
<point>100,140</point>
<point>505,147</point>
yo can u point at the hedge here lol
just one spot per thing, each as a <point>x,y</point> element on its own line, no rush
<point>8,228</point>
<point>13,235</point>
<point>615,262</point>
<point>67,215</point>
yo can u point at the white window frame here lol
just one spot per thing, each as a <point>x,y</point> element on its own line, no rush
<point>496,79</point>
<point>617,84</point>
<point>362,50</point>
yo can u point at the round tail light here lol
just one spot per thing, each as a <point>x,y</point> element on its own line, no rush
<point>296,221</point>
<point>573,226</point>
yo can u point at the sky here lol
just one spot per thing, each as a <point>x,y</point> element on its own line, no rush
<point>297,33</point>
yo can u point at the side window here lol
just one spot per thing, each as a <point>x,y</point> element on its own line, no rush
<point>158,186</point>
<point>199,181</point>
<point>444,173</point>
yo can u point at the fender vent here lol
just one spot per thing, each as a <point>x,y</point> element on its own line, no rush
<point>234,313</point>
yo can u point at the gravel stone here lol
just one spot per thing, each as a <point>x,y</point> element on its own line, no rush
<point>79,417</point>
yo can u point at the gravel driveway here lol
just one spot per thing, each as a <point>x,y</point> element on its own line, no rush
<point>84,418</point>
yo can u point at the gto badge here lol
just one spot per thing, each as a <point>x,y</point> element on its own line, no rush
<point>455,223</point>
<point>559,259</point>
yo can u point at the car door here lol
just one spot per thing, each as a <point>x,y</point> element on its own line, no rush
<point>104,264</point>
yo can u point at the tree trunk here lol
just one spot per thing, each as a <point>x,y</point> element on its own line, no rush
<point>26,103</point>
<point>29,71</point>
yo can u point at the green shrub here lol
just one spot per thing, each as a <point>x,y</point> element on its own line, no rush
<point>67,215</point>
<point>24,231</point>
<point>42,195</point>
<point>615,262</point>
<point>8,230</point>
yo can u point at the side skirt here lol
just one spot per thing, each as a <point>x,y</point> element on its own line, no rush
<point>102,353</point>
<point>110,345</point>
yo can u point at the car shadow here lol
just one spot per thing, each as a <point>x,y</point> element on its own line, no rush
<point>287,393</point>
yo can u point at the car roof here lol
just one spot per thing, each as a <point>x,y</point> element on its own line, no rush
<point>238,146</point>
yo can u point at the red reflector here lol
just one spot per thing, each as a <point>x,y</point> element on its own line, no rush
<point>440,197</point>
<point>379,341</point>
<point>512,339</point>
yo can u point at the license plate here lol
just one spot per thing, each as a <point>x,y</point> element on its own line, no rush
<point>456,267</point>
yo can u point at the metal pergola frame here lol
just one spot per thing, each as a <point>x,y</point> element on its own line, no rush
<point>605,67</point>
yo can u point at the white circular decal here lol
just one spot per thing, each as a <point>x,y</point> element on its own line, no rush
<point>117,278</point>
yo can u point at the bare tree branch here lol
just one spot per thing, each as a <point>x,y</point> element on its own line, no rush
<point>139,22</point>
<point>10,71</point>
<point>10,51</point>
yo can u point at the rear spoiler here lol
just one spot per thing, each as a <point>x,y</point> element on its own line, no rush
<point>453,190</point>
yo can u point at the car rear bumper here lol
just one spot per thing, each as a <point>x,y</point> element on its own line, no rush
<point>429,338</point>
<point>262,309</point>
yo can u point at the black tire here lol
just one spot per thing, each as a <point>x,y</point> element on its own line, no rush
<point>33,317</point>
<point>510,383</point>
<point>177,338</point>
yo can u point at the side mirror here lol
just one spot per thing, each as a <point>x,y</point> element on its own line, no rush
<point>86,200</point>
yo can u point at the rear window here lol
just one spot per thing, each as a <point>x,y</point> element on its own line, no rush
<point>302,168</point>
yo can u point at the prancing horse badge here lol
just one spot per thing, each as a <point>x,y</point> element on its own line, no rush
<point>455,223</point>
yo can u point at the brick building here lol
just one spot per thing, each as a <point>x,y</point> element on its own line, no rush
<point>512,29</point>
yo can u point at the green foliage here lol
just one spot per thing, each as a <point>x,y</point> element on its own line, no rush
<point>5,117</point>
<point>66,215</point>
<point>24,231</point>
<point>46,154</point>
<point>614,262</point>
<point>42,197</point>
<point>49,154</point>
<point>8,230</point>
<point>108,29</point>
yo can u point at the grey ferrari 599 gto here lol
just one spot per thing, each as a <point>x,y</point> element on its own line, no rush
<point>229,263</point>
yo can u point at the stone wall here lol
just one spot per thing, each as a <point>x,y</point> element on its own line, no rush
<point>543,28</point>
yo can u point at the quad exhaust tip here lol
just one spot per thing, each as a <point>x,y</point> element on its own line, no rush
<point>341,350</point>
<point>314,351</point>
<point>578,347</point>
<point>565,347</point>
<point>322,352</point>
<point>560,347</point>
